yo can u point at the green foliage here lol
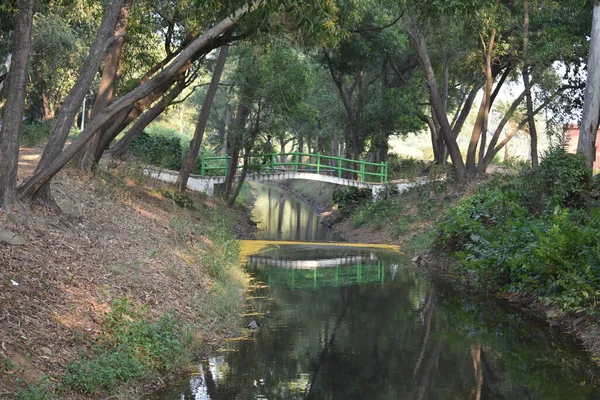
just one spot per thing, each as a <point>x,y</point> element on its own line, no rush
<point>537,234</point>
<point>178,198</point>
<point>132,346</point>
<point>38,392</point>
<point>562,180</point>
<point>349,198</point>
<point>35,133</point>
<point>159,150</point>
<point>403,168</point>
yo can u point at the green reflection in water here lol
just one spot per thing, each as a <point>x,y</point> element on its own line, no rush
<point>394,338</point>
<point>282,217</point>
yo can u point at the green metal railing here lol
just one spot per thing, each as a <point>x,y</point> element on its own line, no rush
<point>300,162</point>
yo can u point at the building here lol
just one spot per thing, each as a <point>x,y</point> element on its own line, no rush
<point>572,137</point>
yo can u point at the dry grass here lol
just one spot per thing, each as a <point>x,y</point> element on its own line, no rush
<point>115,237</point>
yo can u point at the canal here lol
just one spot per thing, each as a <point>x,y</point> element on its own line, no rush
<point>328,320</point>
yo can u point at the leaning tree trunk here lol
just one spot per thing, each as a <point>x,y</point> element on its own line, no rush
<point>236,137</point>
<point>142,122</point>
<point>437,105</point>
<point>209,40</point>
<point>479,133</point>
<point>15,104</point>
<point>591,108</point>
<point>70,106</point>
<point>106,88</point>
<point>192,154</point>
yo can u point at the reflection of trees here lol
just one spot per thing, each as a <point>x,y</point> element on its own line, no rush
<point>396,341</point>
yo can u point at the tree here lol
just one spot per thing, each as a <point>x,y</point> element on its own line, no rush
<point>71,105</point>
<point>190,158</point>
<point>591,109</point>
<point>106,89</point>
<point>15,103</point>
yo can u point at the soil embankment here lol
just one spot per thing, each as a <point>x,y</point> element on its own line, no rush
<point>119,238</point>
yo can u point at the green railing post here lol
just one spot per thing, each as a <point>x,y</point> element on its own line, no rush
<point>296,162</point>
<point>339,167</point>
<point>383,172</point>
<point>362,171</point>
<point>318,163</point>
<point>272,163</point>
<point>226,165</point>
<point>202,164</point>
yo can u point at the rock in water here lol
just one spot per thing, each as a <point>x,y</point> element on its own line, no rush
<point>11,238</point>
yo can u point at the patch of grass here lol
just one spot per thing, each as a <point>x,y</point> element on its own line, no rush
<point>37,392</point>
<point>132,346</point>
<point>179,199</point>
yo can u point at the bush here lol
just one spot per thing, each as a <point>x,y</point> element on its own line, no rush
<point>405,168</point>
<point>561,180</point>
<point>538,234</point>
<point>159,150</point>
<point>349,198</point>
<point>35,133</point>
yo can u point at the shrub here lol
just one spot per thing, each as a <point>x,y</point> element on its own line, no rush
<point>159,150</point>
<point>399,168</point>
<point>538,234</point>
<point>349,198</point>
<point>561,180</point>
<point>35,133</point>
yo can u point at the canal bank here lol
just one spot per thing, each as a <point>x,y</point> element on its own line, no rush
<point>342,321</point>
<point>120,291</point>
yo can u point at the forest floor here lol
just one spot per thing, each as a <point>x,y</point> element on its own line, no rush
<point>117,235</point>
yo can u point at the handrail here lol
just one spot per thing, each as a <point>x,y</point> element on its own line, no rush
<point>363,170</point>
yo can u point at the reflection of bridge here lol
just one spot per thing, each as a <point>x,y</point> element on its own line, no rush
<point>284,166</point>
<point>306,264</point>
<point>305,276</point>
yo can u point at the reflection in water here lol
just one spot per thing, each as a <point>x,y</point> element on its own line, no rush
<point>373,327</point>
<point>282,217</point>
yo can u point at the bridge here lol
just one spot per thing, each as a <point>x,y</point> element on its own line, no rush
<point>284,166</point>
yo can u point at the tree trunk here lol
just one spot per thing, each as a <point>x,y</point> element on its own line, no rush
<point>71,105</point>
<point>527,84</point>
<point>492,150</point>
<point>247,152</point>
<point>16,85</point>
<point>437,105</point>
<point>142,122</point>
<point>122,120</point>
<point>190,158</point>
<point>530,118</point>
<point>235,138</point>
<point>106,88</point>
<point>484,109</point>
<point>591,108</point>
<point>213,37</point>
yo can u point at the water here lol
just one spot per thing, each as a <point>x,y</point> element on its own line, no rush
<point>283,217</point>
<point>339,322</point>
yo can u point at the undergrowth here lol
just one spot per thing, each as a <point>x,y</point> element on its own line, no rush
<point>536,234</point>
<point>132,346</point>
